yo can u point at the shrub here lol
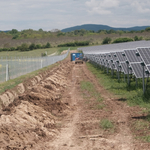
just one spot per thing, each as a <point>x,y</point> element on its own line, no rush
<point>15,36</point>
<point>18,48</point>
<point>136,38</point>
<point>106,124</point>
<point>147,29</point>
<point>5,49</point>
<point>121,40</point>
<point>47,45</point>
<point>73,44</point>
<point>43,54</point>
<point>38,46</point>
<point>32,46</point>
<point>12,49</point>
<point>24,47</point>
<point>106,40</point>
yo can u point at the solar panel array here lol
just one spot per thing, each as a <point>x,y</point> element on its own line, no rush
<point>134,62</point>
<point>128,61</point>
<point>145,55</point>
<point>131,56</point>
<point>114,47</point>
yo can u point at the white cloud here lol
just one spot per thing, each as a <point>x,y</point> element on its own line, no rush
<point>141,6</point>
<point>101,7</point>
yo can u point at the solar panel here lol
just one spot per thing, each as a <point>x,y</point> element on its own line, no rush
<point>145,54</point>
<point>108,56</point>
<point>113,55</point>
<point>114,47</point>
<point>115,60</point>
<point>120,57</point>
<point>124,68</point>
<point>138,70</point>
<point>131,56</point>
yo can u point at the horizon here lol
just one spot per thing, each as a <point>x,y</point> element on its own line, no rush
<point>77,26</point>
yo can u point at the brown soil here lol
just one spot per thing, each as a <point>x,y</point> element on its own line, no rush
<point>51,113</point>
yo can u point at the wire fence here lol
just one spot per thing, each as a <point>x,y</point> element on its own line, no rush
<point>14,67</point>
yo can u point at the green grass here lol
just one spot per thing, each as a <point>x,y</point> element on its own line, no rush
<point>88,86</point>
<point>106,124</point>
<point>140,125</point>
<point>144,138</point>
<point>89,92</point>
<point>132,94</point>
<point>100,106</point>
<point>90,89</point>
<point>33,53</point>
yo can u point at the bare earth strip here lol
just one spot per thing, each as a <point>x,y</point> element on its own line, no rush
<point>54,115</point>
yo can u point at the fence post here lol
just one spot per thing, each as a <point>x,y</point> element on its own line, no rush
<point>7,72</point>
<point>41,64</point>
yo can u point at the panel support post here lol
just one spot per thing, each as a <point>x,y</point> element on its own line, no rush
<point>107,68</point>
<point>124,77</point>
<point>143,81</point>
<point>136,82</point>
<point>128,80</point>
<point>146,81</point>
<point>142,63</point>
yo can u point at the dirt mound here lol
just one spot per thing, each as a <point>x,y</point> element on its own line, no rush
<point>25,126</point>
<point>30,118</point>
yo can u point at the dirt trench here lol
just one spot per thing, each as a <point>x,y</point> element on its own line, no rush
<point>52,114</point>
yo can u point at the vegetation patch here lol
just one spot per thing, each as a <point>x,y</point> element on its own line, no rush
<point>32,53</point>
<point>141,130</point>
<point>106,40</point>
<point>89,92</point>
<point>121,40</point>
<point>106,124</point>
<point>81,43</point>
<point>133,95</point>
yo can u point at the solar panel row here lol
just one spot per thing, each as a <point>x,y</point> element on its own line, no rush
<point>127,61</point>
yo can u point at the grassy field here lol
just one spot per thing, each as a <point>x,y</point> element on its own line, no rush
<point>94,39</point>
<point>35,53</point>
<point>132,94</point>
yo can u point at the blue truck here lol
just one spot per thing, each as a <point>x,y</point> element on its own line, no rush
<point>77,57</point>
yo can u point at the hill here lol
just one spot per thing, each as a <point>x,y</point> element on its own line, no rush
<point>5,31</point>
<point>95,28</point>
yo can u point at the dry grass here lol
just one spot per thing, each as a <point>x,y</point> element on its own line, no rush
<point>33,53</point>
<point>94,39</point>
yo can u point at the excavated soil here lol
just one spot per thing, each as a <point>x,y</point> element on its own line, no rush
<point>49,112</point>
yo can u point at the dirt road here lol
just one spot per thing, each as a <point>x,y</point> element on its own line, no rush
<point>55,115</point>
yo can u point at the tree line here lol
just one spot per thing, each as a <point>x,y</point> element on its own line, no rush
<point>26,47</point>
<point>108,40</point>
<point>33,34</point>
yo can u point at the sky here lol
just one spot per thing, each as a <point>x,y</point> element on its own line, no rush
<point>60,14</point>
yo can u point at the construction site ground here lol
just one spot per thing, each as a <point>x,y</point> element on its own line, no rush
<point>52,112</point>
